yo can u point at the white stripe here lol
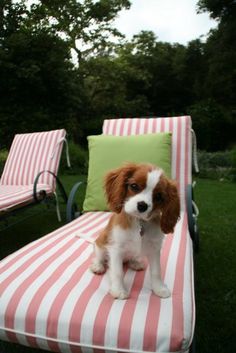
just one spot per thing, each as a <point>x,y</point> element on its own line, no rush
<point>25,153</point>
<point>142,126</point>
<point>110,126</point>
<point>118,127</point>
<point>91,311</point>
<point>187,294</point>
<point>158,125</point>
<point>133,126</point>
<point>182,164</point>
<point>140,313</point>
<point>174,150</point>
<point>166,125</point>
<point>70,303</point>
<point>165,318</point>
<point>126,124</point>
<point>150,124</point>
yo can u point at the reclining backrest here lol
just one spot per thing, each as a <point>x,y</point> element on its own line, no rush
<point>179,127</point>
<point>32,153</point>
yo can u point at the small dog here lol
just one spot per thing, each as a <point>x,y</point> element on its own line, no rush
<point>146,204</point>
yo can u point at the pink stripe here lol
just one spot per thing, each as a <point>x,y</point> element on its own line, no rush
<point>137,130</point>
<point>80,307</point>
<point>152,319</point>
<point>114,127</point>
<point>162,124</point>
<point>146,126</point>
<point>34,160</point>
<point>122,127</point>
<point>177,331</point>
<point>101,321</point>
<point>45,287</point>
<point>153,313</point>
<point>55,310</point>
<point>20,156</point>
<point>24,159</point>
<point>154,125</point>
<point>39,157</point>
<point>178,152</point>
<point>129,126</point>
<point>128,312</point>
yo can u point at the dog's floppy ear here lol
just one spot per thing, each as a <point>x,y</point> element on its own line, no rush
<point>116,186</point>
<point>171,207</point>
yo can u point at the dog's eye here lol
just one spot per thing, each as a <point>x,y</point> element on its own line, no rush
<point>159,197</point>
<point>134,187</point>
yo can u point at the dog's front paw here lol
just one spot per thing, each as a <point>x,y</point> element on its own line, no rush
<point>119,293</point>
<point>161,290</point>
<point>97,267</point>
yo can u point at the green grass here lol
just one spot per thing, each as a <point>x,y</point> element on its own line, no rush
<point>216,267</point>
<point>215,264</point>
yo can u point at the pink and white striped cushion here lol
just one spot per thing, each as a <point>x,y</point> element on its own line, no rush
<point>30,154</point>
<point>50,299</point>
<point>16,195</point>
<point>180,127</point>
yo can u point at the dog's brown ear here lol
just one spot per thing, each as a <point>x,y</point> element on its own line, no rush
<point>116,186</point>
<point>171,207</point>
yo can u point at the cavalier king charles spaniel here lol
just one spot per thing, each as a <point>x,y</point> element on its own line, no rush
<point>145,205</point>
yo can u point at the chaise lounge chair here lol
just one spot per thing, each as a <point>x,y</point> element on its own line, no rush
<point>30,172</point>
<point>49,298</point>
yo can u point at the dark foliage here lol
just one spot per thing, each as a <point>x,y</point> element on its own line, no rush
<point>42,88</point>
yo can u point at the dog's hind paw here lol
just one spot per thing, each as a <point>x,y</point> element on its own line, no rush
<point>161,290</point>
<point>136,265</point>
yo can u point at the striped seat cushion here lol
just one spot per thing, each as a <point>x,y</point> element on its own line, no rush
<point>14,196</point>
<point>50,299</point>
<point>179,127</point>
<point>30,154</point>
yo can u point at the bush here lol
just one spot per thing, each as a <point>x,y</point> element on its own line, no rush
<point>218,165</point>
<point>3,158</point>
<point>78,160</point>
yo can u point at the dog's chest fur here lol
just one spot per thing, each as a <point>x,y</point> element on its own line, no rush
<point>139,239</point>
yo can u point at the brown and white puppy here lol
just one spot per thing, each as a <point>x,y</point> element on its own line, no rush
<point>146,206</point>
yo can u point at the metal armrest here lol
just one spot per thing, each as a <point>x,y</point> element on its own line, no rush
<point>43,193</point>
<point>192,212</point>
<point>71,208</point>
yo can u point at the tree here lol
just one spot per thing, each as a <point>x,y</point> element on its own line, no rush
<point>86,25</point>
<point>218,9</point>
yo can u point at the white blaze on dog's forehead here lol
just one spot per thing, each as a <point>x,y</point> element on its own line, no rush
<point>153,178</point>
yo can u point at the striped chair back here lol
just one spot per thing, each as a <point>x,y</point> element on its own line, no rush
<point>179,127</point>
<point>32,153</point>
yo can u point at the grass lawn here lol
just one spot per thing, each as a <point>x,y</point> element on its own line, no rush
<point>215,263</point>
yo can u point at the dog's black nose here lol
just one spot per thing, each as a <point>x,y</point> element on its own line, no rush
<point>142,206</point>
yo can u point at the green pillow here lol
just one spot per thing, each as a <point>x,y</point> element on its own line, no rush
<point>110,152</point>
